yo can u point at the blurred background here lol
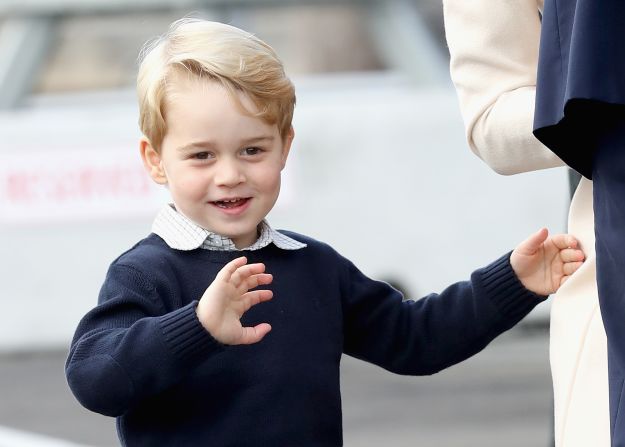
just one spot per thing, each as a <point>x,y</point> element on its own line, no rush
<point>379,147</point>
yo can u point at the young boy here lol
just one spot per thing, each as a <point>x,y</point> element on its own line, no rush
<point>178,349</point>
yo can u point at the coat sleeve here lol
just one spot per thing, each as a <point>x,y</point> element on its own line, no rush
<point>130,347</point>
<point>493,47</point>
<point>425,336</point>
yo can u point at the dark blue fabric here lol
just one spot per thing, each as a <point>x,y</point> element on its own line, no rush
<point>581,73</point>
<point>609,205</point>
<point>580,109</point>
<point>141,355</point>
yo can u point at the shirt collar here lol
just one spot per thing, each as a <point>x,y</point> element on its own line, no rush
<point>181,233</point>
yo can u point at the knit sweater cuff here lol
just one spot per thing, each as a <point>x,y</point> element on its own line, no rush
<point>506,290</point>
<point>185,335</point>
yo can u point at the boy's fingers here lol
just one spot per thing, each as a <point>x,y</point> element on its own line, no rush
<point>254,334</point>
<point>571,267</point>
<point>230,268</point>
<point>532,243</point>
<point>563,241</point>
<point>254,297</point>
<point>242,273</point>
<point>252,269</point>
<point>571,255</point>
<point>258,280</point>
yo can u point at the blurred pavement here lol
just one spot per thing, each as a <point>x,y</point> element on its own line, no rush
<point>502,396</point>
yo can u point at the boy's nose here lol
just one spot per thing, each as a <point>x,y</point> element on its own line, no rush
<point>229,173</point>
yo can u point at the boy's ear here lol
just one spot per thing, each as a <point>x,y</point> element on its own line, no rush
<point>152,161</point>
<point>286,145</point>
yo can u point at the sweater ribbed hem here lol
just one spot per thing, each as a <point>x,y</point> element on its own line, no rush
<point>186,336</point>
<point>506,290</point>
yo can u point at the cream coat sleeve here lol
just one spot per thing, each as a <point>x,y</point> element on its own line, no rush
<point>494,52</point>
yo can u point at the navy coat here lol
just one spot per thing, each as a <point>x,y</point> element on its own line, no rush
<point>580,115</point>
<point>581,76</point>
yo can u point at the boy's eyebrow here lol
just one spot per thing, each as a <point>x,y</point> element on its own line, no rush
<point>210,145</point>
<point>197,145</point>
<point>258,138</point>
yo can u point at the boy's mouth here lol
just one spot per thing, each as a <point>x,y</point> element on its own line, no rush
<point>230,203</point>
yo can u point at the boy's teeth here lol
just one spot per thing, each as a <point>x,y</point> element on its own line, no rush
<point>227,203</point>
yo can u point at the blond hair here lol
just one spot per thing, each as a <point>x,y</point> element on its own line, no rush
<point>241,62</point>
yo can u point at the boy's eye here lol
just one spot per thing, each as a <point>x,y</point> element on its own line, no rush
<point>252,151</point>
<point>201,155</point>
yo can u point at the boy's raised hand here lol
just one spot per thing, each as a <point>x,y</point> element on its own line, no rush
<point>228,298</point>
<point>544,263</point>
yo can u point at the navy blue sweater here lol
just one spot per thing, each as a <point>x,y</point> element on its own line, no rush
<point>142,355</point>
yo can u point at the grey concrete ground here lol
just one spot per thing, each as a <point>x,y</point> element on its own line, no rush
<point>501,397</point>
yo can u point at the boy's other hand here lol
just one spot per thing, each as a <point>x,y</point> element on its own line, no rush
<point>228,297</point>
<point>544,263</point>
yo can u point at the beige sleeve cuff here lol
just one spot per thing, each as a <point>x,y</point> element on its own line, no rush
<point>494,52</point>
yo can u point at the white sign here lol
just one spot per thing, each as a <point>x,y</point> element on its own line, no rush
<point>68,185</point>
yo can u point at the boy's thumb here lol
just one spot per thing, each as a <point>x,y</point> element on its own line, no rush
<point>534,242</point>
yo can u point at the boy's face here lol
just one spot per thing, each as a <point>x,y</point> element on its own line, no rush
<point>221,165</point>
